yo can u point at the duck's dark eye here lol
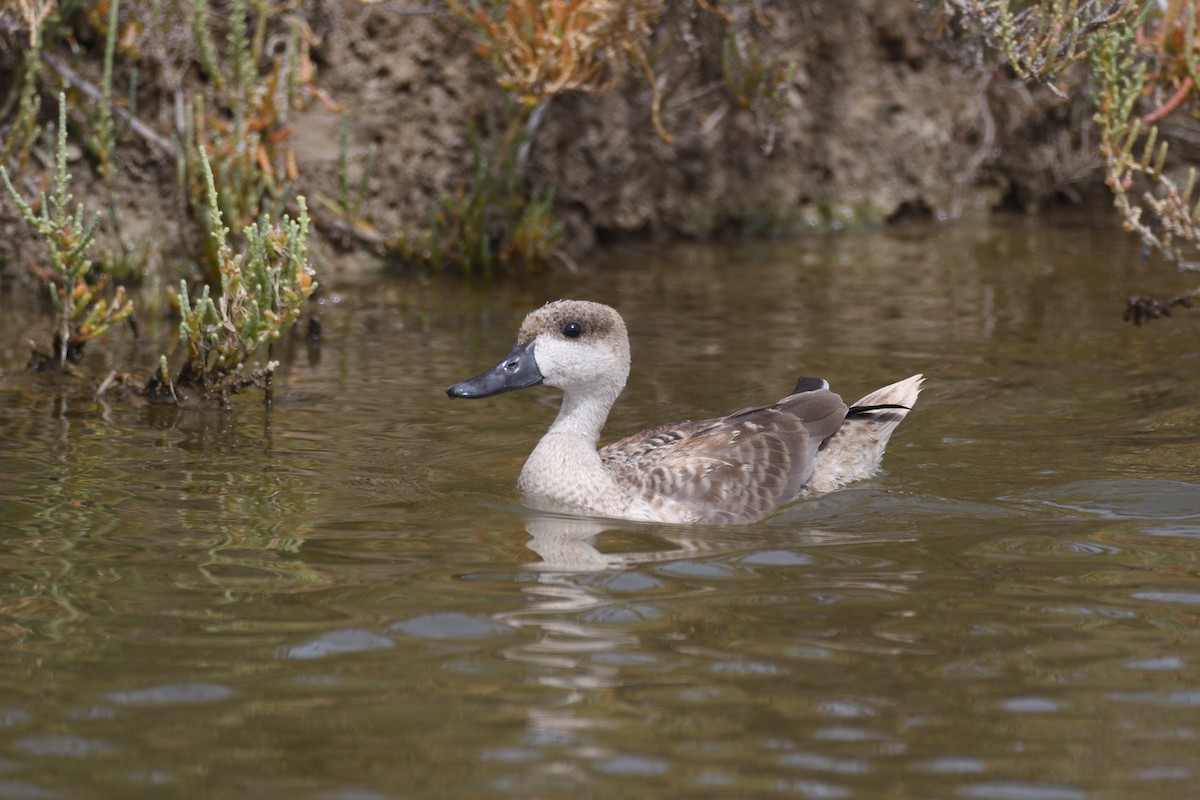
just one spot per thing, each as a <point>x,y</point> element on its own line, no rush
<point>572,330</point>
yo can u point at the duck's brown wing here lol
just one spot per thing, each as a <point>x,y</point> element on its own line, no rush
<point>734,469</point>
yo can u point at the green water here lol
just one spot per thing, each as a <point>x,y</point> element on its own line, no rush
<point>343,597</point>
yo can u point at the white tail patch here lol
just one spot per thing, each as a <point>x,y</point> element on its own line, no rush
<point>900,393</point>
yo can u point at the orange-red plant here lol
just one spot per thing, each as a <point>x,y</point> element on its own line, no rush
<point>1169,41</point>
<point>540,48</point>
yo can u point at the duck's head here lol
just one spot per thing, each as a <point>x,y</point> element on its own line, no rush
<point>574,345</point>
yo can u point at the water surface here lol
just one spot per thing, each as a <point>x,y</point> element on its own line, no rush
<point>344,598</point>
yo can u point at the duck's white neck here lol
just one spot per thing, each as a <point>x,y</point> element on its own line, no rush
<point>565,465</point>
<point>582,416</point>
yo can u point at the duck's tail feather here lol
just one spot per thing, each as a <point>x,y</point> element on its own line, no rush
<point>900,393</point>
<point>855,450</point>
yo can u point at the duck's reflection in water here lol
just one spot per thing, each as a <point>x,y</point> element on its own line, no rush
<point>581,648</point>
<point>605,619</point>
<point>567,544</point>
<point>562,590</point>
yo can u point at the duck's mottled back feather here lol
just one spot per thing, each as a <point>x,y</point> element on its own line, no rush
<point>731,469</point>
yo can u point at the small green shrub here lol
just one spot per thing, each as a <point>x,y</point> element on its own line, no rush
<point>1142,66</point>
<point>244,126</point>
<point>83,302</point>
<point>348,207</point>
<point>492,224</point>
<point>351,192</point>
<point>24,131</point>
<point>754,80</point>
<point>1166,216</point>
<point>263,288</point>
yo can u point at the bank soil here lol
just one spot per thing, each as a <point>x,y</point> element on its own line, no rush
<point>877,116</point>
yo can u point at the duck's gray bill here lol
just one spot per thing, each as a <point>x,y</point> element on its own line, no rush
<point>517,370</point>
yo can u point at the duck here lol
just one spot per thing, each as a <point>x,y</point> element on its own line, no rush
<point>731,470</point>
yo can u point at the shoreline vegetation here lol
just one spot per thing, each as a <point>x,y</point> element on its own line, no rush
<point>229,147</point>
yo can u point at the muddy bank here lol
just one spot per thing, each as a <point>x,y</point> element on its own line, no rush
<point>876,118</point>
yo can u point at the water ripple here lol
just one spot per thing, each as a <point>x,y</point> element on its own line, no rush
<point>1016,790</point>
<point>171,694</point>
<point>450,625</point>
<point>64,745</point>
<point>1125,499</point>
<point>333,643</point>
